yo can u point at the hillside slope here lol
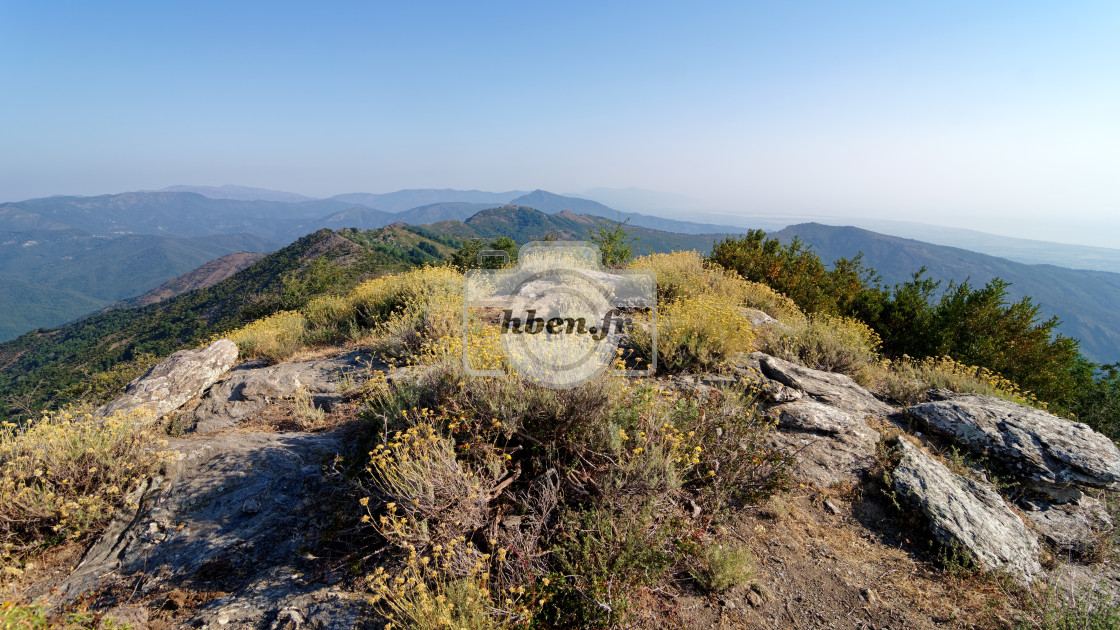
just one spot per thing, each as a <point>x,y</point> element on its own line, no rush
<point>207,275</point>
<point>1087,302</point>
<point>50,277</point>
<point>52,365</point>
<point>524,224</point>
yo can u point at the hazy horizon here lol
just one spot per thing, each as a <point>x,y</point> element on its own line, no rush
<point>999,118</point>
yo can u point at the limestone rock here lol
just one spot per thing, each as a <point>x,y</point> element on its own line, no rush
<point>1042,448</point>
<point>831,445</point>
<point>175,380</point>
<point>837,390</point>
<point>968,513</point>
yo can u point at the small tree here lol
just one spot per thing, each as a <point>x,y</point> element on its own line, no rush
<point>615,243</point>
<point>467,256</point>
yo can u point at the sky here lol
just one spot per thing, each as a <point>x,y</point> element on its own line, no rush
<point>1002,117</point>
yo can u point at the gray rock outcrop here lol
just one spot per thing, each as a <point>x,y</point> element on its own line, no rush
<point>249,390</point>
<point>239,514</point>
<point>175,380</point>
<point>837,390</point>
<point>831,445</point>
<point>967,513</point>
<point>1078,527</point>
<point>1046,450</point>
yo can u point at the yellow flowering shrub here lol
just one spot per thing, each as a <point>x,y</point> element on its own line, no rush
<point>419,468</point>
<point>328,311</point>
<point>411,308</point>
<point>824,342</point>
<point>275,337</point>
<point>614,469</point>
<point>64,474</point>
<point>431,592</point>
<point>907,380</point>
<point>689,274</point>
<point>696,333</point>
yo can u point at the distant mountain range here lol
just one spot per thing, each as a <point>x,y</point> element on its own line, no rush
<point>678,213</point>
<point>408,199</point>
<point>63,257</point>
<point>1087,302</point>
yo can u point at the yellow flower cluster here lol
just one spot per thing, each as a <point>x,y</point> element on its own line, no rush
<point>434,591</point>
<point>907,379</point>
<point>274,338</point>
<point>420,470</point>
<point>62,475</point>
<point>697,333</point>
<point>424,303</point>
<point>328,310</point>
<point>689,274</point>
<point>825,342</point>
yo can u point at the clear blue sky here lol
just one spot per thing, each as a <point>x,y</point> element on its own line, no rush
<point>996,116</point>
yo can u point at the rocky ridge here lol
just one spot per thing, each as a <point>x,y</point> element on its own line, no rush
<point>238,515</point>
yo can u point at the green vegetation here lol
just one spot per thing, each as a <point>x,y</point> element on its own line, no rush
<point>468,255</point>
<point>1088,610</point>
<point>615,243</point>
<point>52,367</point>
<point>524,224</point>
<point>504,503</point>
<point>620,468</point>
<point>1087,302</point>
<point>48,278</point>
<point>976,327</point>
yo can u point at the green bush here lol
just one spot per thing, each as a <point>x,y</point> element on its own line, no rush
<point>718,567</point>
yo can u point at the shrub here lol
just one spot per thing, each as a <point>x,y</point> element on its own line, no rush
<point>329,311</point>
<point>62,476</point>
<point>577,497</point>
<point>696,333</point>
<point>824,342</point>
<point>907,381</point>
<point>1088,610</point>
<point>615,243</point>
<point>796,271</point>
<point>718,568</point>
<point>467,255</point>
<point>435,495</point>
<point>274,338</point>
<point>687,274</point>
<point>606,553</point>
<point>412,308</point>
<point>430,592</point>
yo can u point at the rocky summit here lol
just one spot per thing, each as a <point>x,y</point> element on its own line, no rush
<point>236,530</point>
